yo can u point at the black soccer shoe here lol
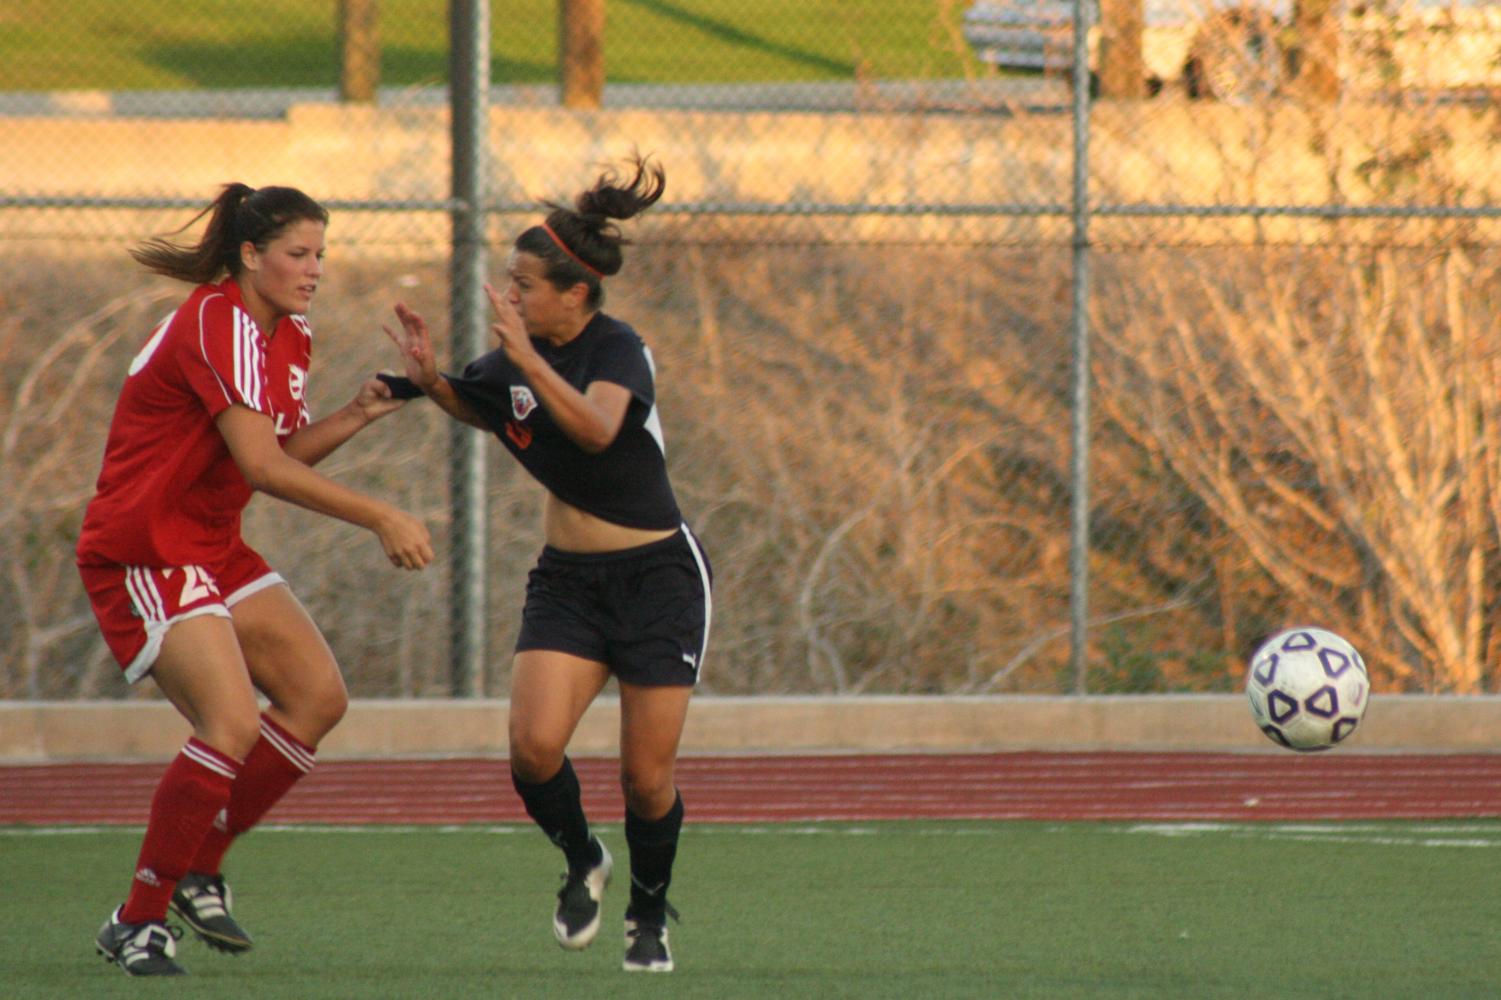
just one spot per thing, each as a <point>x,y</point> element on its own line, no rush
<point>646,947</point>
<point>203,901</point>
<point>146,949</point>
<point>576,920</point>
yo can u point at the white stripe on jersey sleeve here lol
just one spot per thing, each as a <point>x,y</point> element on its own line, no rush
<point>203,348</point>
<point>653,419</point>
<point>246,351</point>
<point>238,342</point>
<point>248,367</point>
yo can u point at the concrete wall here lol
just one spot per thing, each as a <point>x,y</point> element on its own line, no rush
<point>55,731</point>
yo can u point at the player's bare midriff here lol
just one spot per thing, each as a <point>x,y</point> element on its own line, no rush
<point>573,530</point>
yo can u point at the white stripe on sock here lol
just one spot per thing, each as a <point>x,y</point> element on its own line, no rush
<point>208,760</point>
<point>299,756</point>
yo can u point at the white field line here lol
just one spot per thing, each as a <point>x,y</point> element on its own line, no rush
<point>1386,835</point>
<point>1426,835</point>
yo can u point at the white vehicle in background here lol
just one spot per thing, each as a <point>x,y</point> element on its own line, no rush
<point>1237,49</point>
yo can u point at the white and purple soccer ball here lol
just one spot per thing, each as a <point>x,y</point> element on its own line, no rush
<point>1308,688</point>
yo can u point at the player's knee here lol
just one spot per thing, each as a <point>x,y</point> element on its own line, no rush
<point>648,789</point>
<point>230,732</point>
<point>315,711</point>
<point>535,756</point>
<point>329,707</point>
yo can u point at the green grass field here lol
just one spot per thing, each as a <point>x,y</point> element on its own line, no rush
<point>929,910</point>
<point>157,44</point>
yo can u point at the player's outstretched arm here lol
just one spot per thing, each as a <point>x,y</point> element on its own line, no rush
<point>315,442</point>
<point>421,366</point>
<point>252,441</point>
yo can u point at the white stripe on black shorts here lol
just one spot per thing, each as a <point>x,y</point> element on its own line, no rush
<point>644,612</point>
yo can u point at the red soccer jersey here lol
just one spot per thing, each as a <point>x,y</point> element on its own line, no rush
<point>170,493</point>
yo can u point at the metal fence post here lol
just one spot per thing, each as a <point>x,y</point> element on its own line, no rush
<point>469,93</point>
<point>1079,538</point>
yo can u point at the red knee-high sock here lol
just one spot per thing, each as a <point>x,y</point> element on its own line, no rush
<point>272,767</point>
<point>191,792</point>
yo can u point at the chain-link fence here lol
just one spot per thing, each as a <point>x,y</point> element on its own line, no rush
<point>860,293</point>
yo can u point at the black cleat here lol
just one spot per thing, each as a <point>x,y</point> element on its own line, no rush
<point>202,902</point>
<point>576,920</point>
<point>145,949</point>
<point>646,947</point>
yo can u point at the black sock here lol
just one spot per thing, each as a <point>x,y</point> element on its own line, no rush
<point>653,845</point>
<point>556,806</point>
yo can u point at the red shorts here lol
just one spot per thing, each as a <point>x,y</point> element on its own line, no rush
<point>136,605</point>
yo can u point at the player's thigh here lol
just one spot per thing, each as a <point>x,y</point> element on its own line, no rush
<point>202,672</point>
<point>651,729</point>
<point>550,692</point>
<point>289,660</point>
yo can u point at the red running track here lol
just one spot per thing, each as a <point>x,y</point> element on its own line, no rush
<point>780,789</point>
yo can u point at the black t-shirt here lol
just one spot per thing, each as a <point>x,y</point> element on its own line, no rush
<point>626,483</point>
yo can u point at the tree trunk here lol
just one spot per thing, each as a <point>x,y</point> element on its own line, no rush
<point>1317,28</point>
<point>359,50</point>
<point>581,52</point>
<point>1122,71</point>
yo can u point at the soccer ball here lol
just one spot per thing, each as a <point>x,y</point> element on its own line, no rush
<point>1308,688</point>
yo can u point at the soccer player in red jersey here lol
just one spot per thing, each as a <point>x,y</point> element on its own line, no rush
<point>213,408</point>
<point>622,588</point>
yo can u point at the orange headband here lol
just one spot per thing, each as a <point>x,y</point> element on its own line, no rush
<point>571,255</point>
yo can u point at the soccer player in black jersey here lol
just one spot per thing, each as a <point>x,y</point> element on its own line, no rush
<point>622,586</point>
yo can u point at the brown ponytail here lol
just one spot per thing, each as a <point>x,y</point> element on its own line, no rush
<point>239,214</point>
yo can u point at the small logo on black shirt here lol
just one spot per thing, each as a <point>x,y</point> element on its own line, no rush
<point>522,402</point>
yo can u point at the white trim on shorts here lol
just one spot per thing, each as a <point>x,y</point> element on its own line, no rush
<point>253,587</point>
<point>156,631</point>
<point>703,576</point>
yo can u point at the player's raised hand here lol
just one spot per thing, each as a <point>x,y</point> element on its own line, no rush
<point>415,345</point>
<point>508,329</point>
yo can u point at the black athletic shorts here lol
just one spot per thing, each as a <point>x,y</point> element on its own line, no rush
<point>644,612</point>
